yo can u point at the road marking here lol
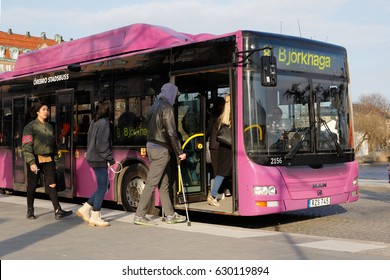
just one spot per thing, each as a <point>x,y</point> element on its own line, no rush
<point>195,227</point>
<point>225,231</point>
<point>374,183</point>
<point>343,246</point>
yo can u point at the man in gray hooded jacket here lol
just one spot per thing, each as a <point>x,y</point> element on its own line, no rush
<point>162,139</point>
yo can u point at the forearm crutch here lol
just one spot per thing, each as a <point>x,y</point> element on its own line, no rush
<point>184,194</point>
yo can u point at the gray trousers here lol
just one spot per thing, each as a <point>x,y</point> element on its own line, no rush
<point>157,175</point>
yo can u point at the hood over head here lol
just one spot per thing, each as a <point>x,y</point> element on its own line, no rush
<point>169,91</point>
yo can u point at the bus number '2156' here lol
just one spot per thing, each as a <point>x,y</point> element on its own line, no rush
<point>276,160</point>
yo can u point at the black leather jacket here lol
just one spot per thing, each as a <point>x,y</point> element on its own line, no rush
<point>162,126</point>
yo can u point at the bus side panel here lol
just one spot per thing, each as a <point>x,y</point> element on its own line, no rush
<point>249,175</point>
<point>85,180</point>
<point>6,177</point>
<point>304,182</point>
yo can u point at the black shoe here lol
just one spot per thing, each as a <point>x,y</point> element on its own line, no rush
<point>59,214</point>
<point>30,213</point>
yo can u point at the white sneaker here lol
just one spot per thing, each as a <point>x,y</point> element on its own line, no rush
<point>176,218</point>
<point>220,196</point>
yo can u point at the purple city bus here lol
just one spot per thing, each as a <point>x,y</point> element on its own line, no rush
<point>291,106</point>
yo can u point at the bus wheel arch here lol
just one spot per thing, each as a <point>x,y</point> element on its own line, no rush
<point>132,183</point>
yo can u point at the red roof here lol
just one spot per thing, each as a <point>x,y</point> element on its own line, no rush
<point>24,42</point>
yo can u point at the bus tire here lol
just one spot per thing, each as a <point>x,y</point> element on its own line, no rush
<point>133,184</point>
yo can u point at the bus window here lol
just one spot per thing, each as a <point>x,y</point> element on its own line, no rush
<point>6,123</point>
<point>83,122</point>
<point>83,116</point>
<point>290,98</point>
<point>130,120</point>
<point>64,130</point>
<point>130,127</point>
<point>331,100</point>
<point>133,97</point>
<point>20,118</point>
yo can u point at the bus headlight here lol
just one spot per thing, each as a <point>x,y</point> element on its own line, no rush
<point>355,182</point>
<point>264,190</point>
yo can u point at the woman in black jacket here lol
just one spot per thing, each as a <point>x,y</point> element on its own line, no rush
<point>220,153</point>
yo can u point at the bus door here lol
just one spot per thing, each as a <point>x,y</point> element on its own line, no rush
<point>64,129</point>
<point>197,92</point>
<point>20,119</point>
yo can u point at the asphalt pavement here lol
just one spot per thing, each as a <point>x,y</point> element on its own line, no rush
<point>71,239</point>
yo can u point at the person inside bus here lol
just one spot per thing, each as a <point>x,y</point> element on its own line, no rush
<point>161,140</point>
<point>190,123</point>
<point>84,126</point>
<point>82,130</point>
<point>65,129</point>
<point>214,113</point>
<point>222,158</point>
<point>99,157</point>
<point>275,129</point>
<point>39,150</point>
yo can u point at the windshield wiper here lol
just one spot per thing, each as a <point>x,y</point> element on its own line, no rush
<point>307,132</point>
<point>332,135</point>
<point>299,144</point>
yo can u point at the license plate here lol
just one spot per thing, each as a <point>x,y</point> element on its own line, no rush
<point>316,202</point>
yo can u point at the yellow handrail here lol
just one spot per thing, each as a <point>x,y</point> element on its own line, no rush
<point>255,126</point>
<point>59,153</point>
<point>183,146</point>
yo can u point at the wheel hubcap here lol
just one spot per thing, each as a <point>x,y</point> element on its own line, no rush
<point>134,191</point>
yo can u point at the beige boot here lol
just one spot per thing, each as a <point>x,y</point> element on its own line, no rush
<point>212,201</point>
<point>96,220</point>
<point>84,212</point>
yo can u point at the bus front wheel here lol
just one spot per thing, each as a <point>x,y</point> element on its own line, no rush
<point>132,187</point>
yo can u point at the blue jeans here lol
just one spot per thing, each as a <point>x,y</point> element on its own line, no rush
<point>96,200</point>
<point>217,184</point>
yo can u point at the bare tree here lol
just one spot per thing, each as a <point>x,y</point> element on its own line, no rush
<point>371,117</point>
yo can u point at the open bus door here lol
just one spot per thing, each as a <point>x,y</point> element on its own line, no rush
<point>65,126</point>
<point>197,92</point>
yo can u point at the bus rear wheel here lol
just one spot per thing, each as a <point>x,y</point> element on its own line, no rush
<point>133,184</point>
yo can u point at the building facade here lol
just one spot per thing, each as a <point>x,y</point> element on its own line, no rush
<point>12,45</point>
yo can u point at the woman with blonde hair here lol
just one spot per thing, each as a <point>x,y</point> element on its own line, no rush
<point>223,167</point>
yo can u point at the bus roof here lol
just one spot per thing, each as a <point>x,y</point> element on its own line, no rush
<point>129,39</point>
<point>132,38</point>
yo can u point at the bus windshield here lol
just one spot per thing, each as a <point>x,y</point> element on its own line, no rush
<point>304,114</point>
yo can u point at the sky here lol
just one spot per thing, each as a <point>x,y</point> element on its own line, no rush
<point>361,26</point>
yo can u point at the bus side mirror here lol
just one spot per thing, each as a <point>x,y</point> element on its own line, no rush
<point>268,71</point>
